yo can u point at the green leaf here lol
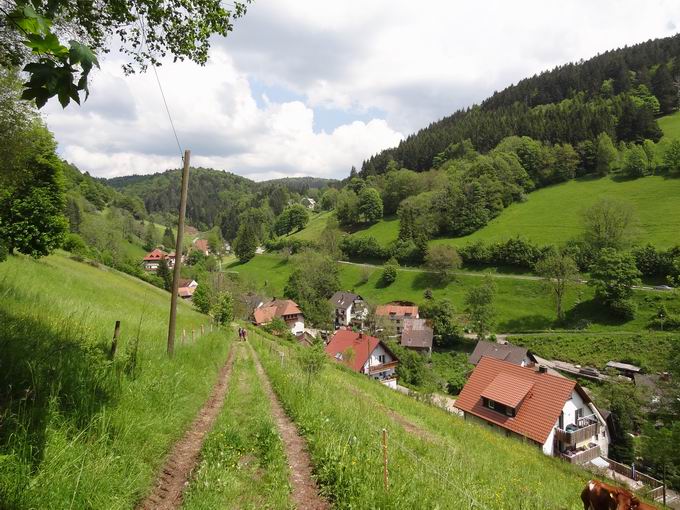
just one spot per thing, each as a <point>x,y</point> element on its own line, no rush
<point>81,54</point>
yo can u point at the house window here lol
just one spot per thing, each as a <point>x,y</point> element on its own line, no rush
<point>381,358</point>
<point>579,413</point>
<point>499,408</point>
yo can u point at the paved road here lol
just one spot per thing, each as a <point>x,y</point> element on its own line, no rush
<point>493,275</point>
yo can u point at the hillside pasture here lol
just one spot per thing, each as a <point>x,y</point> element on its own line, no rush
<point>522,304</point>
<point>80,430</point>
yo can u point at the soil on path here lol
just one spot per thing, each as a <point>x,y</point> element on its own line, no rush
<point>175,474</point>
<point>305,492</point>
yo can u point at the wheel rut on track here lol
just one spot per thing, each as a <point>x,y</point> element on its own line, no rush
<point>305,492</point>
<point>176,472</point>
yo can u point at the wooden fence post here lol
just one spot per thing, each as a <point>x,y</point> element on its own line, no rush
<point>202,329</point>
<point>384,445</point>
<point>211,327</point>
<point>184,335</point>
<point>114,342</point>
<point>192,335</point>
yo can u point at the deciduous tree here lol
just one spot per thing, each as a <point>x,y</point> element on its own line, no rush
<point>479,303</point>
<point>559,273</point>
<point>442,260</point>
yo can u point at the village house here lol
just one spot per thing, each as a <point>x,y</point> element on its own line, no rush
<point>284,309</point>
<point>552,412</point>
<point>417,335</point>
<point>153,259</point>
<point>350,309</point>
<point>397,313</point>
<point>186,288</point>
<point>506,352</point>
<point>364,354</point>
<point>202,246</point>
<point>309,203</point>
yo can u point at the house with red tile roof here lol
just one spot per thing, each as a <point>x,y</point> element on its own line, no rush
<point>364,354</point>
<point>285,309</point>
<point>552,412</point>
<point>397,313</point>
<point>186,288</point>
<point>153,259</point>
<point>202,246</point>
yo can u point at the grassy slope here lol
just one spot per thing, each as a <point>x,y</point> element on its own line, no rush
<point>552,215</point>
<point>522,305</point>
<point>316,224</point>
<point>98,430</point>
<point>597,351</point>
<point>436,460</point>
<point>670,125</point>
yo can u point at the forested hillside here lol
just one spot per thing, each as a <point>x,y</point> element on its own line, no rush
<point>575,102</point>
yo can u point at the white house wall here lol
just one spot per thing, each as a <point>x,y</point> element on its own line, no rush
<point>297,327</point>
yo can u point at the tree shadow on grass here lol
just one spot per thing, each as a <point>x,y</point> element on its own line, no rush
<point>526,324</point>
<point>48,369</point>
<point>591,311</point>
<point>426,280</point>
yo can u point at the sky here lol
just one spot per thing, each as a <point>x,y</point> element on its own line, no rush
<point>313,87</point>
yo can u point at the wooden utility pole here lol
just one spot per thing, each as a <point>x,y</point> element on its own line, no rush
<point>178,253</point>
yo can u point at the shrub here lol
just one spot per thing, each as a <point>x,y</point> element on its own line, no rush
<point>364,247</point>
<point>624,308</point>
<point>223,309</point>
<point>389,274</point>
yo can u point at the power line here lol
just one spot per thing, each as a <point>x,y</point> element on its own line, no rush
<point>160,87</point>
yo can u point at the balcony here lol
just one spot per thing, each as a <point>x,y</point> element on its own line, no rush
<point>374,369</point>
<point>581,455</point>
<point>584,429</point>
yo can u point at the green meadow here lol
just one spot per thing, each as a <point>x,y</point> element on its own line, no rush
<point>81,430</point>
<point>522,305</point>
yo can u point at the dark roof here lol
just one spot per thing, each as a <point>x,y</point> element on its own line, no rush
<point>506,352</point>
<point>537,398</point>
<point>416,333</point>
<point>342,299</point>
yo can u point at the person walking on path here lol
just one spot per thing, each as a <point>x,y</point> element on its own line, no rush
<point>245,334</point>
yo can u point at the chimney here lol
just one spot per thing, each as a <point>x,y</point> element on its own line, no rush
<point>542,369</point>
<point>361,335</point>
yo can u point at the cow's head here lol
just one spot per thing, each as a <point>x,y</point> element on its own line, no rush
<point>624,500</point>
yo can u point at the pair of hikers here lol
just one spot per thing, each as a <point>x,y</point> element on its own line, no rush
<point>242,334</point>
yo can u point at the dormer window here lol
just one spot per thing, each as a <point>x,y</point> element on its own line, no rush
<point>498,407</point>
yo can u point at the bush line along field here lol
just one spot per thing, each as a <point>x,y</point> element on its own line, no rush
<point>436,460</point>
<point>522,304</point>
<point>78,430</point>
<point>655,199</point>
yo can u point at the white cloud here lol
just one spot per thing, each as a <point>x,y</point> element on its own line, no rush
<point>414,63</point>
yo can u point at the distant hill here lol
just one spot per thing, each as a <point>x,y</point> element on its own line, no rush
<point>211,192</point>
<point>570,103</point>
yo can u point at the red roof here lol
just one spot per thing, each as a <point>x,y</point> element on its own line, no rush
<point>186,292</point>
<point>397,310</point>
<point>276,308</point>
<point>202,244</point>
<point>538,398</point>
<point>361,345</point>
<point>155,255</point>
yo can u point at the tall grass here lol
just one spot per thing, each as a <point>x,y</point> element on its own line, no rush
<point>78,430</point>
<point>435,460</point>
<point>243,464</point>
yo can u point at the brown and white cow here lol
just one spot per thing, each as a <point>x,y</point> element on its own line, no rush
<point>601,496</point>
